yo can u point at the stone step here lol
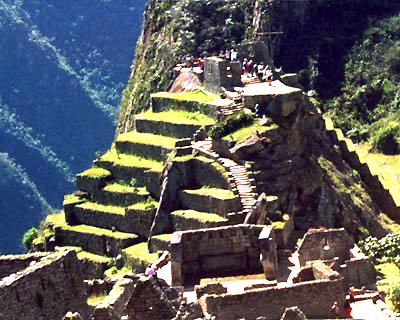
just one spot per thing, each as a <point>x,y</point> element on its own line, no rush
<point>146,145</point>
<point>135,219</point>
<point>192,219</point>
<point>93,239</point>
<point>160,242</point>
<point>219,201</point>
<point>93,180</point>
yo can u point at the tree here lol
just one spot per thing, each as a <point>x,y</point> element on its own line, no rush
<point>28,238</point>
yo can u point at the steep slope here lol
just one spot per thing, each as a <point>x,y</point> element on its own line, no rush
<point>63,67</point>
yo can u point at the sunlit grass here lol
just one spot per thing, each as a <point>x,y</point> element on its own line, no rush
<point>215,192</point>
<point>179,117</point>
<point>246,132</point>
<point>123,188</point>
<point>197,215</point>
<point>126,160</point>
<point>56,218</point>
<point>140,251</point>
<point>386,167</point>
<point>147,138</point>
<point>102,207</point>
<point>96,173</point>
<point>82,228</point>
<point>196,95</point>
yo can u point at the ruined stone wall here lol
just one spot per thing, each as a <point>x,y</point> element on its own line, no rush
<point>314,298</point>
<point>215,251</point>
<point>11,264</point>
<point>358,273</point>
<point>47,289</point>
<point>311,248</point>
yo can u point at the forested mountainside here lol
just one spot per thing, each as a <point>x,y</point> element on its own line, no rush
<point>63,67</point>
<point>315,40</point>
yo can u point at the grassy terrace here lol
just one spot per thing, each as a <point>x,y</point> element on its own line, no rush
<point>82,228</point>
<point>197,215</point>
<point>147,138</point>
<point>96,173</point>
<point>144,205</point>
<point>123,188</point>
<point>251,130</point>
<point>196,95</point>
<point>141,252</point>
<point>179,117</point>
<point>127,160</point>
<point>86,255</point>
<point>386,167</point>
<point>214,192</point>
<point>101,207</point>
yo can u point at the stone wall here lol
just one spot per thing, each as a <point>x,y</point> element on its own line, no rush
<point>99,244</point>
<point>169,129</point>
<point>215,251</point>
<point>13,263</point>
<point>359,273</point>
<point>47,289</point>
<point>314,242</point>
<point>220,73</point>
<point>314,298</point>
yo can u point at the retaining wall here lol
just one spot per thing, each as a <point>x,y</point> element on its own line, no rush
<point>314,298</point>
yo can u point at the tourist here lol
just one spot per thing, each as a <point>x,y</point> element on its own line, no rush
<point>227,55</point>
<point>335,309</point>
<point>233,55</point>
<point>244,66</point>
<point>268,75</point>
<point>200,64</point>
<point>352,294</point>
<point>348,309</point>
<point>150,271</point>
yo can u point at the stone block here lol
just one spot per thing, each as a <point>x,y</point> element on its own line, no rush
<point>226,262</point>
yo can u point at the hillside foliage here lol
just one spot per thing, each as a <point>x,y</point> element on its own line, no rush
<point>368,106</point>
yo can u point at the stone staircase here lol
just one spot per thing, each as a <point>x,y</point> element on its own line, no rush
<point>239,177</point>
<point>374,187</point>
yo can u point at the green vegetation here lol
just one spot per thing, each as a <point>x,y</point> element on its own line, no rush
<point>28,238</point>
<point>115,272</point>
<point>175,116</point>
<point>197,215</point>
<point>139,253</point>
<point>82,228</point>
<point>147,138</point>
<point>218,193</point>
<point>368,104</point>
<point>124,188</point>
<point>232,124</point>
<point>104,208</point>
<point>96,173</point>
<point>148,204</point>
<point>251,130</point>
<point>196,95</point>
<point>387,248</point>
<point>127,160</point>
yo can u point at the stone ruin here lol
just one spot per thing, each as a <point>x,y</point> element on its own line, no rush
<point>41,286</point>
<point>220,73</point>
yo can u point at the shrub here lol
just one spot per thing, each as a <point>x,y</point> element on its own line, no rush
<point>385,139</point>
<point>28,238</point>
<point>394,295</point>
<point>231,124</point>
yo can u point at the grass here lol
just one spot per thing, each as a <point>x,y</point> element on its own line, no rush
<point>123,188</point>
<point>386,167</point>
<point>215,192</point>
<point>57,219</point>
<point>389,273</point>
<point>148,138</point>
<point>179,117</point>
<point>140,251</point>
<point>125,160</point>
<point>84,255</point>
<point>95,173</point>
<point>195,95</point>
<point>71,198</point>
<point>102,207</point>
<point>163,237</point>
<point>95,298</point>
<point>197,215</point>
<point>144,205</point>
<point>115,272</point>
<point>82,228</point>
<point>245,132</point>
